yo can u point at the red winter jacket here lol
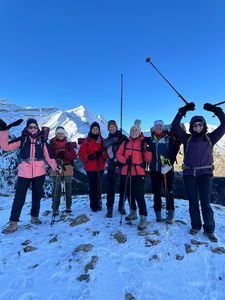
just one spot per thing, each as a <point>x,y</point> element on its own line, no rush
<point>90,146</point>
<point>133,148</point>
<point>70,154</point>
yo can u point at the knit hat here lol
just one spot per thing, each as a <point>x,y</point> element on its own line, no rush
<point>60,129</point>
<point>94,124</point>
<point>137,124</point>
<point>112,122</point>
<point>29,121</point>
<point>158,122</point>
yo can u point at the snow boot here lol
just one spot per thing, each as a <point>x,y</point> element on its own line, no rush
<point>68,210</point>
<point>36,221</point>
<point>194,231</point>
<point>143,222</point>
<point>120,210</point>
<point>132,215</point>
<point>11,228</point>
<point>211,237</point>
<point>109,212</point>
<point>158,216</point>
<point>170,216</point>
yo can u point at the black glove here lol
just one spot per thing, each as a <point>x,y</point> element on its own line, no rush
<point>99,153</point>
<point>16,123</point>
<point>61,155</point>
<point>150,147</point>
<point>129,161</point>
<point>91,156</point>
<point>188,107</point>
<point>216,110</point>
<point>2,125</point>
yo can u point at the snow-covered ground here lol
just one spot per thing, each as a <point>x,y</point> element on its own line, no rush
<point>145,266</point>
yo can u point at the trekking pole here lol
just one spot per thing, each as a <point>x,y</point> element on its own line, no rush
<point>121,102</point>
<point>57,182</point>
<point>99,184</point>
<point>164,176</point>
<point>219,103</point>
<point>179,95</point>
<point>63,189</point>
<point>130,196</point>
<point>124,196</point>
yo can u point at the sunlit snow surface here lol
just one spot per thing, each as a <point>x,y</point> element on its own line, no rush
<point>51,271</point>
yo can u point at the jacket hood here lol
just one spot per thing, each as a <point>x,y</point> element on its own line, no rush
<point>196,118</point>
<point>200,119</point>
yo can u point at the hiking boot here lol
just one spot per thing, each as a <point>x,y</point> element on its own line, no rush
<point>36,221</point>
<point>94,210</point>
<point>194,231</point>
<point>99,208</point>
<point>170,215</point>
<point>55,213</point>
<point>11,228</point>
<point>132,215</point>
<point>68,210</point>
<point>143,222</point>
<point>211,237</point>
<point>122,211</point>
<point>158,216</point>
<point>109,212</point>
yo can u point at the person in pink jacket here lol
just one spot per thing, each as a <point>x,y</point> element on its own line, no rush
<point>33,149</point>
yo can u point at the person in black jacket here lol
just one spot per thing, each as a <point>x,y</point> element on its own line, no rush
<point>112,143</point>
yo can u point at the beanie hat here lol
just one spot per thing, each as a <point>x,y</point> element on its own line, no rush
<point>158,122</point>
<point>94,124</point>
<point>60,129</point>
<point>137,124</point>
<point>112,122</point>
<point>29,121</point>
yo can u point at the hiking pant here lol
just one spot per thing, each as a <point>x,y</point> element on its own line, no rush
<point>137,192</point>
<point>22,186</point>
<point>57,194</point>
<point>204,185</point>
<point>112,177</point>
<point>93,188</point>
<point>157,178</point>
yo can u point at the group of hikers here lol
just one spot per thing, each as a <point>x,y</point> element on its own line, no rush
<point>127,158</point>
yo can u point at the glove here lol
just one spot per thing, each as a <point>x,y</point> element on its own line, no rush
<point>91,156</point>
<point>59,163</point>
<point>166,169</point>
<point>129,161</point>
<point>2,125</point>
<point>61,155</point>
<point>188,107</point>
<point>150,147</point>
<point>99,153</point>
<point>216,110</point>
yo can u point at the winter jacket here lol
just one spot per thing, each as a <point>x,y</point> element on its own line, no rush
<point>112,143</point>
<point>57,146</point>
<point>90,146</point>
<point>164,146</point>
<point>199,152</point>
<point>133,148</point>
<point>32,153</point>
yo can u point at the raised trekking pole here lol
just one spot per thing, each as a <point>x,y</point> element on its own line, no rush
<point>217,105</point>
<point>99,184</point>
<point>179,95</point>
<point>121,102</point>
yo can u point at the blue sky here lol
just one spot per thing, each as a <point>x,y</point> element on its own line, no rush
<point>70,53</point>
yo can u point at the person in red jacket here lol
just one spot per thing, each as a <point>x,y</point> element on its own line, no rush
<point>94,155</point>
<point>134,157</point>
<point>33,149</point>
<point>63,150</point>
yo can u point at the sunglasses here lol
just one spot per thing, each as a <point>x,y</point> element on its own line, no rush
<point>31,127</point>
<point>198,125</point>
<point>60,127</point>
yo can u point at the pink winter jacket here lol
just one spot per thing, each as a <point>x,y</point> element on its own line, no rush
<point>29,169</point>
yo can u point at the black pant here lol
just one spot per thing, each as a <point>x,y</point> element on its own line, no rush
<point>112,177</point>
<point>156,179</point>
<point>137,192</point>
<point>22,186</point>
<point>93,188</point>
<point>204,185</point>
